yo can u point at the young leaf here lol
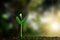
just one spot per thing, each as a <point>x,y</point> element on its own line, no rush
<point>24,20</point>
<point>18,20</point>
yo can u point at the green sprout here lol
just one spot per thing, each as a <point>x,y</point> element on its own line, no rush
<point>21,21</point>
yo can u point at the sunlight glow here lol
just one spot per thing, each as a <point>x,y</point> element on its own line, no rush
<point>55,26</point>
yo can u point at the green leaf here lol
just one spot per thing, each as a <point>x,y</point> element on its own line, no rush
<point>24,20</point>
<point>18,20</point>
